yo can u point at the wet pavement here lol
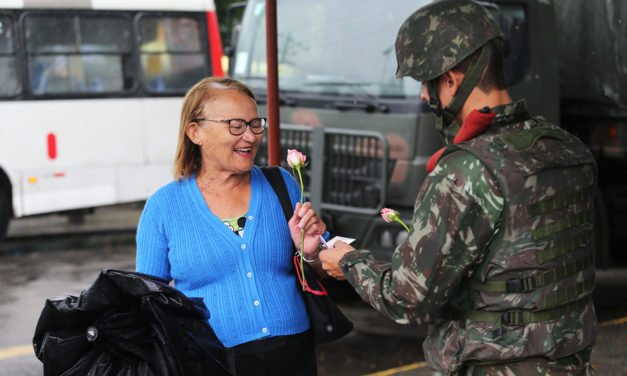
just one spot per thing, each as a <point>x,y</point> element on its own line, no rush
<point>34,267</point>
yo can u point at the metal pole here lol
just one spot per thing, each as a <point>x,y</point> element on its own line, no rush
<point>274,147</point>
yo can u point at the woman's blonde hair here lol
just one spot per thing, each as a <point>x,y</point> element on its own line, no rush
<point>188,159</point>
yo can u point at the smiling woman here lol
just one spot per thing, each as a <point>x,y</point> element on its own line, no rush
<point>191,232</point>
<point>226,152</point>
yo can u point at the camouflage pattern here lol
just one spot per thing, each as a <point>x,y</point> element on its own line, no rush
<point>438,36</point>
<point>533,367</point>
<point>471,221</point>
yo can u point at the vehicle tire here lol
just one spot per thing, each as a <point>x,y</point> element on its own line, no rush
<point>601,232</point>
<point>5,211</point>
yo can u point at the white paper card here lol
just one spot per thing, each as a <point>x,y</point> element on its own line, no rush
<point>330,243</point>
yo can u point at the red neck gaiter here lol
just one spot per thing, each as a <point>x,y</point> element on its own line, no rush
<point>475,123</point>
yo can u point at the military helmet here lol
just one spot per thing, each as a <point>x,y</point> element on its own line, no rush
<point>440,35</point>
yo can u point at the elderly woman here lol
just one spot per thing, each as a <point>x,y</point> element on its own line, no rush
<point>218,231</point>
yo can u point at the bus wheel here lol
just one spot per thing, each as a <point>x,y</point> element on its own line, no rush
<point>5,212</point>
<point>601,232</point>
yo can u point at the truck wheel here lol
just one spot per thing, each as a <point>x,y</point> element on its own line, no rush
<point>5,212</point>
<point>602,232</point>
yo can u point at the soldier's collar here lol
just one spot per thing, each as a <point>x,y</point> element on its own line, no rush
<point>511,113</point>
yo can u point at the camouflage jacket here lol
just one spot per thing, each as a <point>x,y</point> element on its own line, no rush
<point>457,216</point>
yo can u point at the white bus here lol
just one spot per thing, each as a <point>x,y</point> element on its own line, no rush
<point>90,96</point>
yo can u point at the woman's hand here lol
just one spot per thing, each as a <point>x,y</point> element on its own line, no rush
<point>306,218</point>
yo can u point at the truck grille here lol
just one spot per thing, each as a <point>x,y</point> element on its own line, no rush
<point>354,171</point>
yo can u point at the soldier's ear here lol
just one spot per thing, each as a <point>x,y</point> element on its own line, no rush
<point>451,80</point>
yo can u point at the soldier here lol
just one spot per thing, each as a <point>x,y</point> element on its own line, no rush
<point>500,256</point>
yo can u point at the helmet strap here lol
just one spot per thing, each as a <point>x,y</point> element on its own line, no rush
<point>436,108</point>
<point>471,79</point>
<point>434,100</point>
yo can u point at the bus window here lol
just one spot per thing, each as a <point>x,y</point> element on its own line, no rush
<point>8,67</point>
<point>172,57</point>
<point>77,54</point>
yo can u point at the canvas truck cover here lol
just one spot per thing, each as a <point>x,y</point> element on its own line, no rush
<point>592,48</point>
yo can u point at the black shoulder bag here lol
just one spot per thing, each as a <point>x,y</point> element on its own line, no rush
<point>327,322</point>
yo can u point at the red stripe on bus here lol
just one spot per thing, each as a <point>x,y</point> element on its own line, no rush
<point>52,146</point>
<point>215,44</point>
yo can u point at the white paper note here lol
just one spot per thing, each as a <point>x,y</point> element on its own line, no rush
<point>330,243</point>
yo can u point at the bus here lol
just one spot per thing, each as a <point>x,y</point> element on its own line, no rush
<point>90,98</point>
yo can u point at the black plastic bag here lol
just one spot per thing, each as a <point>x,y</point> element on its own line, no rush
<point>127,324</point>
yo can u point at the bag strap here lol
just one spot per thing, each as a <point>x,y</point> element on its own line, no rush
<point>274,177</point>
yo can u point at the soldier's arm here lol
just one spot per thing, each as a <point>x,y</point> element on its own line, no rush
<point>456,212</point>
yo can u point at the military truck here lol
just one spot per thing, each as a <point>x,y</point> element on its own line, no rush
<point>367,134</point>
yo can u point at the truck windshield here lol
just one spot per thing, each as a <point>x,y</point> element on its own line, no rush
<point>328,47</point>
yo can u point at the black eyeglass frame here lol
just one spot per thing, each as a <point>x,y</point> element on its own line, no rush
<point>235,129</point>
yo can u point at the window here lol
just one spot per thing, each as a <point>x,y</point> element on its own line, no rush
<point>78,54</point>
<point>8,68</point>
<point>172,57</point>
<point>328,47</point>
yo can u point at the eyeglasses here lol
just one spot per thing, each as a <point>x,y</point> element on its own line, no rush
<point>238,126</point>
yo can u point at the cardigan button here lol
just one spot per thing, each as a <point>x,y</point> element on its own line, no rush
<point>243,246</point>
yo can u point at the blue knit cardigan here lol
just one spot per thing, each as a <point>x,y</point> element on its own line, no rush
<point>247,283</point>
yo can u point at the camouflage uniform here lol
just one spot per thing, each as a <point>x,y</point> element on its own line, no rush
<point>499,259</point>
<point>504,205</point>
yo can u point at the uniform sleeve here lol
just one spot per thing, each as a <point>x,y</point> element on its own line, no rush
<point>456,213</point>
<point>152,244</point>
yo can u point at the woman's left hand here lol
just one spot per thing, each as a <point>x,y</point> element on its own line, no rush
<point>306,218</point>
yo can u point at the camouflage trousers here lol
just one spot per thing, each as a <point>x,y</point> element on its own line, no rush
<point>530,368</point>
<point>574,365</point>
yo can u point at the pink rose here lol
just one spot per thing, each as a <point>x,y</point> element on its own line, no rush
<point>389,215</point>
<point>295,158</point>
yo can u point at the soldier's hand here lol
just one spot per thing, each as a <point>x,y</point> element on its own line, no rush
<point>330,259</point>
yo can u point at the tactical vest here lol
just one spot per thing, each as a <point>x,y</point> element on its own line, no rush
<point>539,264</point>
